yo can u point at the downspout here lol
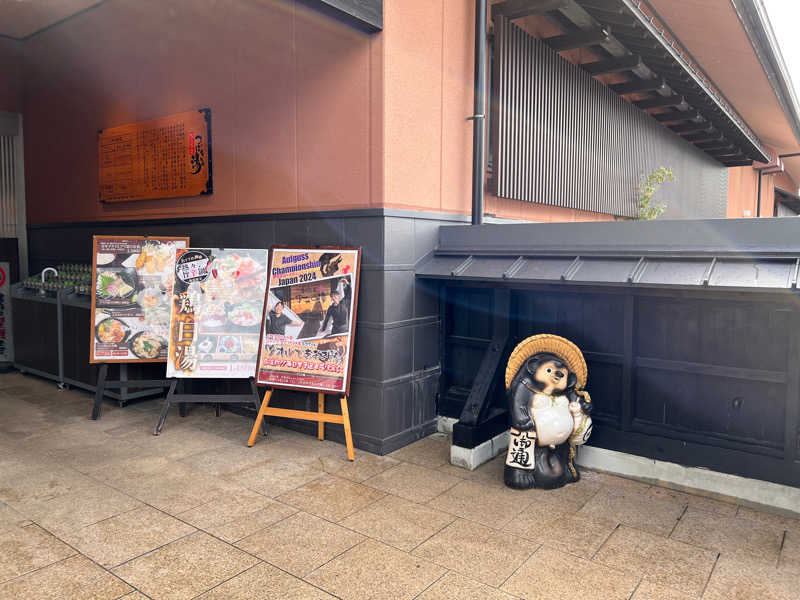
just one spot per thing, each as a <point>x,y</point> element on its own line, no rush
<point>479,114</point>
<point>769,170</point>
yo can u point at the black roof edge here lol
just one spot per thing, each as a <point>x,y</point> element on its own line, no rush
<point>740,126</point>
<point>753,16</point>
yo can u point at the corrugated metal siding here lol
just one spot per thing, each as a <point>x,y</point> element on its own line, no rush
<point>8,201</point>
<point>562,138</point>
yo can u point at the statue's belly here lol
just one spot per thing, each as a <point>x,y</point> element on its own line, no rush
<point>553,423</point>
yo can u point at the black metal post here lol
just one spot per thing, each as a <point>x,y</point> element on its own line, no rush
<point>479,114</point>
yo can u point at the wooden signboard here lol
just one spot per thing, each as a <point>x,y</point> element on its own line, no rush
<point>132,278</point>
<point>308,330</point>
<point>167,157</point>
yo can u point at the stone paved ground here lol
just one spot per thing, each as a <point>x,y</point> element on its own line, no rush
<point>105,510</point>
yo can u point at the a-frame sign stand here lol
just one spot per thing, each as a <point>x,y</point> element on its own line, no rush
<point>320,416</point>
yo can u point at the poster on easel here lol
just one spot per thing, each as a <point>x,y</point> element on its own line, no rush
<point>132,278</point>
<point>309,319</point>
<point>216,307</point>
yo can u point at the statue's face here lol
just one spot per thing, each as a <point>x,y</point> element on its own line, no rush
<point>552,377</point>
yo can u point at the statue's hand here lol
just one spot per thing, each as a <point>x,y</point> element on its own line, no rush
<point>575,408</point>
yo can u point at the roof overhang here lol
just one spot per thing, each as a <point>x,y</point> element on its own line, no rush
<point>662,78</point>
<point>743,255</point>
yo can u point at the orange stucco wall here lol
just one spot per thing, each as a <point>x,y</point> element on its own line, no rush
<point>428,78</point>
<point>294,97</point>
<point>308,113</point>
<point>10,75</point>
<point>743,191</point>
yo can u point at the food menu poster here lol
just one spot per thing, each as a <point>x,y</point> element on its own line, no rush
<point>216,307</point>
<point>131,297</point>
<point>168,157</point>
<point>309,321</point>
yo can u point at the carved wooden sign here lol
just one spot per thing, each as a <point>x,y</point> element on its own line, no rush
<point>168,157</point>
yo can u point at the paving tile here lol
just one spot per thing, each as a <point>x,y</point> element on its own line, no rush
<point>412,482</point>
<point>75,577</point>
<point>374,571</point>
<point>364,466</point>
<point>240,528</point>
<point>790,553</point>
<point>490,505</point>
<point>226,460</point>
<point>277,476</point>
<point>751,540</point>
<point>612,481</point>
<point>178,489</point>
<point>574,533</point>
<point>133,596</point>
<point>490,472</point>
<point>484,554</point>
<point>748,580</point>
<point>432,451</point>
<point>652,591</point>
<point>177,442</point>
<point>185,568</point>
<point>93,459</point>
<point>553,575</point>
<point>25,485</point>
<point>573,496</point>
<point>265,582</point>
<point>634,507</point>
<point>398,522</point>
<point>69,512</point>
<point>10,518</point>
<point>457,587</point>
<point>300,543</point>
<point>719,507</point>
<point>660,560</point>
<point>225,508</point>
<point>331,498</point>
<point>770,519</point>
<point>126,536</point>
<point>24,549</point>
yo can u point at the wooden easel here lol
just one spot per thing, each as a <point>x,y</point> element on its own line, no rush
<point>320,416</point>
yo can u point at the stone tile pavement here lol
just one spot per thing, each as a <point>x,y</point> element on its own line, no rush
<point>104,510</point>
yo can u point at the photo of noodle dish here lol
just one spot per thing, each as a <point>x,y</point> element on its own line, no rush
<point>147,345</point>
<point>111,331</point>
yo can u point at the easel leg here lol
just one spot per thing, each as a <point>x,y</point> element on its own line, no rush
<point>123,391</point>
<point>257,403</point>
<point>259,418</point>
<point>348,434</point>
<point>321,410</point>
<point>165,410</point>
<point>181,405</point>
<point>98,394</point>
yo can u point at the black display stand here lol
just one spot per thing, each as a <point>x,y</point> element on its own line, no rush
<point>176,395</point>
<point>123,384</point>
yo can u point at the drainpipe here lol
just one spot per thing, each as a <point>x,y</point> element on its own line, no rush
<point>769,170</point>
<point>479,114</point>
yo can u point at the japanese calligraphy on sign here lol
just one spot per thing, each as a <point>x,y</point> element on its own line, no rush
<point>309,319</point>
<point>521,446</point>
<point>217,302</point>
<point>168,157</point>
<point>130,303</point>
